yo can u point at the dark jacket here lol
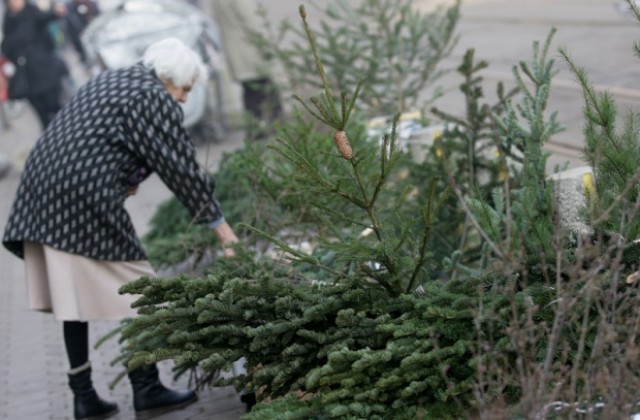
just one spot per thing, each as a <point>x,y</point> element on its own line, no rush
<point>80,14</point>
<point>26,39</point>
<point>72,192</point>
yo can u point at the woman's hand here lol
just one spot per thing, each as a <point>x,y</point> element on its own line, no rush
<point>228,252</point>
<point>227,238</point>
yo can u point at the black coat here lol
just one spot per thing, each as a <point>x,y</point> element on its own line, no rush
<point>26,37</point>
<point>80,14</point>
<point>72,192</point>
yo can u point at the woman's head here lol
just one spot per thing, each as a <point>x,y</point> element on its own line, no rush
<point>178,66</point>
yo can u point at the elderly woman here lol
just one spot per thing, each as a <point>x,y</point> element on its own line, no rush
<point>68,220</point>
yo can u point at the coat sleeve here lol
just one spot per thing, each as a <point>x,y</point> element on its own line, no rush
<point>9,43</point>
<point>155,134</point>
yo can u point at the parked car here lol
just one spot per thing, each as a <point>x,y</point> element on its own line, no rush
<point>119,36</point>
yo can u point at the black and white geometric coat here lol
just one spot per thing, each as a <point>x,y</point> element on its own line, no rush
<point>72,191</point>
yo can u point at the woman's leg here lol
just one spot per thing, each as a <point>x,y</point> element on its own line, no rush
<point>86,402</point>
<point>76,340</point>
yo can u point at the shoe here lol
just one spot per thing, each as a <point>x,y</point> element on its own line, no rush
<point>249,400</point>
<point>151,398</point>
<point>87,405</point>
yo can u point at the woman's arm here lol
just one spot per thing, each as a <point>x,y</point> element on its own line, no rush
<point>155,134</point>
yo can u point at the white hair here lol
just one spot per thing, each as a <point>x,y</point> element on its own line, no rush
<point>174,62</point>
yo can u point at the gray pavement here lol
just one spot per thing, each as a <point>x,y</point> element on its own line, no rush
<point>32,358</point>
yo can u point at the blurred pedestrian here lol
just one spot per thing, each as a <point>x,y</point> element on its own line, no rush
<point>5,69</point>
<point>69,221</point>
<point>237,19</point>
<point>28,44</point>
<point>80,15</point>
<point>55,26</point>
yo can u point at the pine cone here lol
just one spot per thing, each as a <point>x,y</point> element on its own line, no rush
<point>342,141</point>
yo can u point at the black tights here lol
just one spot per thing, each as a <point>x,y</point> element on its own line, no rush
<point>76,339</point>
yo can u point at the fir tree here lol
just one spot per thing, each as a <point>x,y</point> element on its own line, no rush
<point>396,48</point>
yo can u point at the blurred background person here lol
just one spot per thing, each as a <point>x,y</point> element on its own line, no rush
<point>55,26</point>
<point>5,165</point>
<point>80,14</point>
<point>237,19</point>
<point>27,42</point>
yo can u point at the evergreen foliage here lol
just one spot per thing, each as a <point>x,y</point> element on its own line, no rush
<point>173,237</point>
<point>353,347</point>
<point>387,42</point>
<point>379,339</point>
<point>262,189</point>
<point>470,156</point>
<point>417,303</point>
<point>519,217</point>
<point>612,152</point>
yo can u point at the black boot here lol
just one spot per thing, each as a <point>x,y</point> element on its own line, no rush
<point>87,404</point>
<point>151,398</point>
<point>249,400</point>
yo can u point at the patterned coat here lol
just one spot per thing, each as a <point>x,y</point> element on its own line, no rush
<point>72,192</point>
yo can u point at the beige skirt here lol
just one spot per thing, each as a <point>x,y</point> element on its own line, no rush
<point>77,288</point>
